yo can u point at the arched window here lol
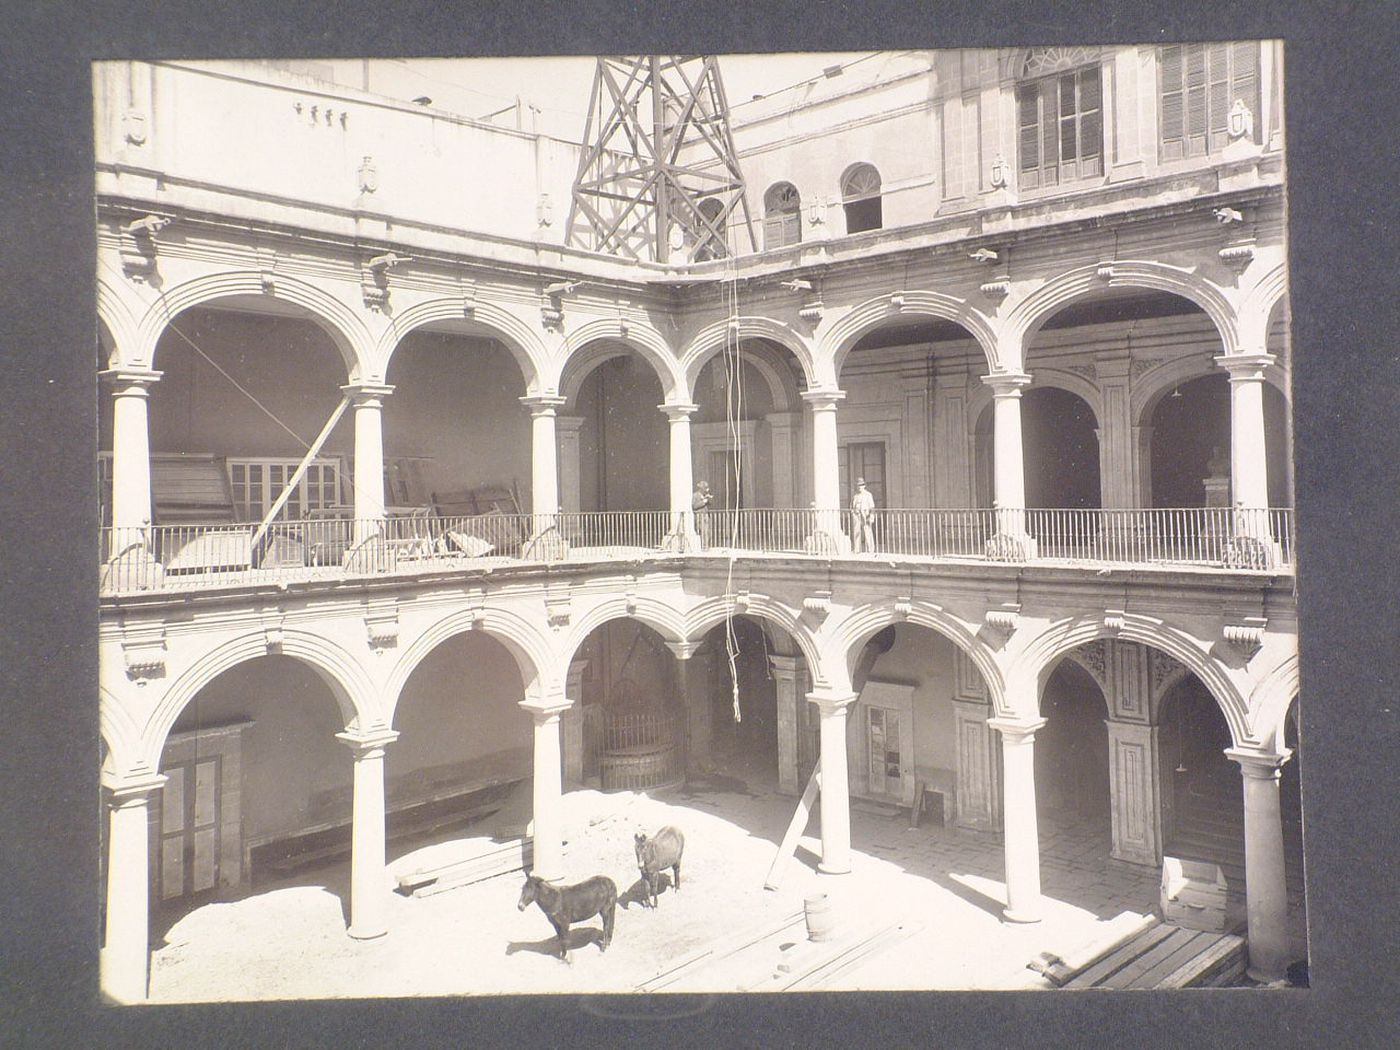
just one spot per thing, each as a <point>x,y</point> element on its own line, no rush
<point>1059,110</point>
<point>860,193</point>
<point>711,244</point>
<point>782,215</point>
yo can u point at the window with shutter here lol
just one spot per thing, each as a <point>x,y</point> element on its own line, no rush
<point>1199,85</point>
<point>1060,128</point>
<point>860,196</point>
<point>782,216</point>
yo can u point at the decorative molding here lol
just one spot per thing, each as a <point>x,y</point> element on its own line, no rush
<point>1093,657</point>
<point>367,175</point>
<point>143,648</point>
<point>382,624</point>
<point>1114,620</point>
<point>558,604</point>
<point>1089,371</point>
<point>1106,270</point>
<point>1000,623</point>
<point>997,288</point>
<point>1162,666</point>
<point>137,245</point>
<point>134,127</point>
<point>817,605</point>
<point>904,608</point>
<point>274,630</point>
<point>468,287</point>
<point>1142,365</point>
<point>1237,256</point>
<point>1246,635</point>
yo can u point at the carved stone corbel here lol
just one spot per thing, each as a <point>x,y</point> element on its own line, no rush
<point>1246,635</point>
<point>143,648</point>
<point>137,245</point>
<point>1000,623</point>
<point>817,605</point>
<point>374,278</point>
<point>1114,620</point>
<point>1106,270</point>
<point>382,624</point>
<point>558,605</point>
<point>274,630</point>
<point>904,608</point>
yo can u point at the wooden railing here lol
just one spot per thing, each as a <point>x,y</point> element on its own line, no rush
<point>183,557</point>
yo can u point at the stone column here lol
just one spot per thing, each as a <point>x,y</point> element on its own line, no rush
<point>1266,885</point>
<point>567,431</point>
<point>835,790</point>
<point>786,670</point>
<point>681,535</point>
<point>1249,475</point>
<point>828,536</point>
<point>548,794</point>
<point>1022,841</point>
<point>369,889</point>
<point>131,450</point>
<point>1008,466</point>
<point>368,402</point>
<point>544,456</point>
<point>693,702</point>
<point>125,959</point>
<point>571,724</point>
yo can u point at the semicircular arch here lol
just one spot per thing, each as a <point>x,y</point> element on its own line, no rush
<point>606,338</point>
<point>121,324</point>
<point>1037,307</point>
<point>713,611</point>
<point>349,683</point>
<point>661,617</point>
<point>121,733</point>
<point>840,339</point>
<point>1271,699</point>
<point>711,340</point>
<point>478,318</point>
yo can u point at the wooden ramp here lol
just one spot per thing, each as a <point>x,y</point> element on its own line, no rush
<point>1155,955</point>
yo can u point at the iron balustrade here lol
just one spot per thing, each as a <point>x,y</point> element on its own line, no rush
<point>186,557</point>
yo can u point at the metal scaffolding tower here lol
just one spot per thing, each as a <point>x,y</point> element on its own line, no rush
<point>658,178</point>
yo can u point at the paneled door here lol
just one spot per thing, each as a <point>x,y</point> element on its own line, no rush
<point>189,828</point>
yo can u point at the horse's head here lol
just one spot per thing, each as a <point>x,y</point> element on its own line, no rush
<point>530,893</point>
<point>640,838</point>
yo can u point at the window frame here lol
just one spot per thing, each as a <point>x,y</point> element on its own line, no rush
<point>311,491</point>
<point>867,207</point>
<point>1215,105</point>
<point>787,223</point>
<point>1081,167</point>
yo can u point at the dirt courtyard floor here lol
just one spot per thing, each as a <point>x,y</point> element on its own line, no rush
<point>933,895</point>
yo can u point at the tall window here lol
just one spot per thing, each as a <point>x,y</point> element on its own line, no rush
<point>782,216</point>
<point>711,245</point>
<point>860,194</point>
<point>258,482</point>
<point>1201,83</point>
<point>1060,119</point>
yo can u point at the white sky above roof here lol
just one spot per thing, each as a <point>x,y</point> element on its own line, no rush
<point>559,87</point>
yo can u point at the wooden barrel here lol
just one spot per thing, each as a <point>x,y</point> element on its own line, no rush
<point>821,920</point>
<point>640,768</point>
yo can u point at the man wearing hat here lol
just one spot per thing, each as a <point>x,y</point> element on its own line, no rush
<point>863,509</point>
<point>700,507</point>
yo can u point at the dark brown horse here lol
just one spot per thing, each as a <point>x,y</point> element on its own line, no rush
<point>654,855</point>
<point>563,905</point>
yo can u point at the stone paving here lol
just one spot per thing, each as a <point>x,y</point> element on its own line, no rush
<point>288,939</point>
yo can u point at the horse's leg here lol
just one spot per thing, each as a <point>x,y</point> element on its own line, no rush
<point>561,929</point>
<point>677,870</point>
<point>609,913</point>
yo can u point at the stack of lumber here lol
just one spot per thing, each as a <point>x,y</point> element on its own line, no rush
<point>1152,954</point>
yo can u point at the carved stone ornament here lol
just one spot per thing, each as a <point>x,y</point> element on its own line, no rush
<point>998,173</point>
<point>1000,623</point>
<point>1246,635</point>
<point>817,605</point>
<point>1240,121</point>
<point>1114,620</point>
<point>1093,657</point>
<point>374,278</point>
<point>143,648</point>
<point>134,126</point>
<point>1005,546</point>
<point>1162,667</point>
<point>997,288</point>
<point>558,605</point>
<point>1105,271</point>
<point>369,175</point>
<point>544,211</point>
<point>904,608</point>
<point>811,311</point>
<point>274,631</point>
<point>382,626</point>
<point>137,246</point>
<point>1237,256</point>
<point>552,313</point>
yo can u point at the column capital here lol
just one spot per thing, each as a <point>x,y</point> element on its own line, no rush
<point>369,395</point>
<point>543,404</point>
<point>132,790</point>
<point>830,702</point>
<point>1016,731</point>
<point>1258,765</point>
<point>678,412</point>
<point>821,400</point>
<point>546,709</point>
<point>131,379</point>
<point>368,743</point>
<point>1245,367</point>
<point>1007,384</point>
<point>683,650</point>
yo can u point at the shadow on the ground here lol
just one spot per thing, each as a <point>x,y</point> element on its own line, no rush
<point>637,892</point>
<point>576,938</point>
<point>991,905</point>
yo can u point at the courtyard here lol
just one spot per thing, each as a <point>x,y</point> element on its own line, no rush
<point>921,909</point>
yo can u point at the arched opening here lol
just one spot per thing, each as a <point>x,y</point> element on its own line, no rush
<point>1071,753</point>
<point>245,391</point>
<point>623,443</point>
<point>1203,797</point>
<point>464,750</point>
<point>860,198</point>
<point>1191,444</point>
<point>712,242</point>
<point>259,794</point>
<point>456,438</point>
<point>633,709</point>
<point>782,216</point>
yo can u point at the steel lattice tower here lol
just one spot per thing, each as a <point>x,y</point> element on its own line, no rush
<point>658,177</point>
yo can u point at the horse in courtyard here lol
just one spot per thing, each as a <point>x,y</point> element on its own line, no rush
<point>563,905</point>
<point>654,855</point>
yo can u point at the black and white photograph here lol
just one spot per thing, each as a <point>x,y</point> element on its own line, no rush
<point>762,515</point>
<point>563,533</point>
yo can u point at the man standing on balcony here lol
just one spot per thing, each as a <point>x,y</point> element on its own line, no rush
<point>863,508</point>
<point>699,506</point>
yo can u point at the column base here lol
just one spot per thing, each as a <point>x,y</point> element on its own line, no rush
<point>1266,980</point>
<point>1011,546</point>
<point>362,933</point>
<point>682,541</point>
<point>1021,916</point>
<point>121,982</point>
<point>827,544</point>
<point>833,869</point>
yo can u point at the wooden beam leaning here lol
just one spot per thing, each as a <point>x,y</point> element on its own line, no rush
<point>794,831</point>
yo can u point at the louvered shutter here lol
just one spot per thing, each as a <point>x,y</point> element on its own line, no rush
<point>1195,99</point>
<point>1173,130</point>
<point>1244,78</point>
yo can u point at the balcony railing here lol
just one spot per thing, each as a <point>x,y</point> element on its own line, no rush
<point>186,557</point>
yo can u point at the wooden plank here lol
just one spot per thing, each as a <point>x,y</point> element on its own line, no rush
<point>1124,976</point>
<point>1119,957</point>
<point>1186,949</point>
<point>720,950</point>
<point>796,826</point>
<point>1215,957</point>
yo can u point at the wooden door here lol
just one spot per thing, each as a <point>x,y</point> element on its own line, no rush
<point>189,828</point>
